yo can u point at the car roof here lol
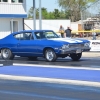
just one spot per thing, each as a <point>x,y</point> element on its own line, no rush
<point>30,31</point>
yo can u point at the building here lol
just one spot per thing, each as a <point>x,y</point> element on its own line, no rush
<point>12,14</point>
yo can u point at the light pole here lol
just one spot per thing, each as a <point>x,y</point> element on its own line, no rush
<point>34,15</point>
<point>40,16</point>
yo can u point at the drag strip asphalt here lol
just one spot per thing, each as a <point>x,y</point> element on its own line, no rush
<point>51,74</point>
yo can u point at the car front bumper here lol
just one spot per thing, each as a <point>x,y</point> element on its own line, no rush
<point>75,50</point>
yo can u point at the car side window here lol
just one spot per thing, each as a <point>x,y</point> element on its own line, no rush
<point>24,36</point>
<point>37,34</point>
<point>17,36</point>
<point>40,35</point>
<point>28,36</point>
<point>50,35</point>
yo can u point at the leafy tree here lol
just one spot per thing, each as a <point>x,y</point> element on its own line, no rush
<point>51,15</point>
<point>74,7</point>
<point>44,13</point>
<point>29,16</point>
<point>56,13</point>
<point>43,10</point>
<point>30,12</point>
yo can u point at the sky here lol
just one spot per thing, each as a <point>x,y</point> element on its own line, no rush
<point>49,4</point>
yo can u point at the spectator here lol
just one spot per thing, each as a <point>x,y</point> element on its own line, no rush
<point>93,34</point>
<point>68,32</point>
<point>61,30</point>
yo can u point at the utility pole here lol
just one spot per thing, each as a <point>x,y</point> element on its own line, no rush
<point>34,15</point>
<point>82,19</point>
<point>40,16</point>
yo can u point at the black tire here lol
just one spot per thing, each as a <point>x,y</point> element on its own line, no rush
<point>6,54</point>
<point>32,58</point>
<point>48,53</point>
<point>75,57</point>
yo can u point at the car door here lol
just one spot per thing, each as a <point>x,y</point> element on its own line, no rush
<point>26,45</point>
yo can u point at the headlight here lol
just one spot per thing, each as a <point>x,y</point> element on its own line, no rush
<point>87,44</point>
<point>65,46</point>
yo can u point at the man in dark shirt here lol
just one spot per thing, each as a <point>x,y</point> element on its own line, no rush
<point>68,32</point>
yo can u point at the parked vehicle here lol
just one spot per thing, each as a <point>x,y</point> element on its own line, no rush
<point>41,43</point>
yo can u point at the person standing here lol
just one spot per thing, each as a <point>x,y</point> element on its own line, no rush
<point>93,34</point>
<point>68,32</point>
<point>61,30</point>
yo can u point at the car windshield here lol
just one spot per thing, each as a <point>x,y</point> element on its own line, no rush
<point>46,34</point>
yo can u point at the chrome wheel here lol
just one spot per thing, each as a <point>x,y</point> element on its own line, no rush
<point>7,54</point>
<point>50,55</point>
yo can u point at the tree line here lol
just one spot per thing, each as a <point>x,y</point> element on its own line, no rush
<point>56,14</point>
<point>71,9</point>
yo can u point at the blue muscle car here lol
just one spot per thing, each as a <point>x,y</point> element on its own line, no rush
<point>41,43</point>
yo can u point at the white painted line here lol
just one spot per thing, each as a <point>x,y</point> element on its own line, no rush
<point>1,64</point>
<point>55,66</point>
<point>50,80</point>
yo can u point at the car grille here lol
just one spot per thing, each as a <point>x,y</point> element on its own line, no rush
<point>76,45</point>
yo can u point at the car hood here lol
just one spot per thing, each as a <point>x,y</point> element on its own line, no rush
<point>69,40</point>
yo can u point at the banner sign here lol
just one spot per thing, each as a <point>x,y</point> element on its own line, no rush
<point>95,45</point>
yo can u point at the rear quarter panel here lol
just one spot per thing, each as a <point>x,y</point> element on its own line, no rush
<point>9,42</point>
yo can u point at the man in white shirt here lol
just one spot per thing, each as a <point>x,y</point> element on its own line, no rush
<point>61,30</point>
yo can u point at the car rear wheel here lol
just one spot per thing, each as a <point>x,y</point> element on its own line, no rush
<point>7,54</point>
<point>50,55</point>
<point>75,57</point>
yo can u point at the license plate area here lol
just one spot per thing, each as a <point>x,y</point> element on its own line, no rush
<point>78,51</point>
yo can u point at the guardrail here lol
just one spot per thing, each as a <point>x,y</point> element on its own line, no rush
<point>84,31</point>
<point>81,31</point>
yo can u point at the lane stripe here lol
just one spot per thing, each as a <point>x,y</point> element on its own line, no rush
<point>53,66</point>
<point>50,80</point>
<point>1,64</point>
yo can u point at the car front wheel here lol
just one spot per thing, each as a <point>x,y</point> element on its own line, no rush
<point>7,54</point>
<point>75,57</point>
<point>50,55</point>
